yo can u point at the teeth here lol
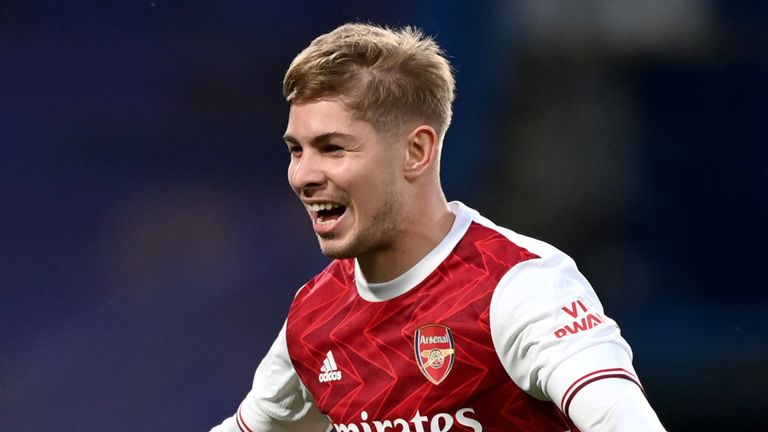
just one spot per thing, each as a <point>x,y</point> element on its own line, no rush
<point>322,221</point>
<point>323,206</point>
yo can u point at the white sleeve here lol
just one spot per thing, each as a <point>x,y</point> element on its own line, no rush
<point>554,341</point>
<point>613,405</point>
<point>278,401</point>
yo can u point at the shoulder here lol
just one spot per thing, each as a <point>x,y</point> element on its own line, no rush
<point>525,257</point>
<point>335,276</point>
<point>531,265</point>
<point>547,283</point>
<point>339,271</point>
<point>486,241</point>
<point>537,248</point>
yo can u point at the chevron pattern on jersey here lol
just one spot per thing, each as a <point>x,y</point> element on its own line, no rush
<point>372,346</point>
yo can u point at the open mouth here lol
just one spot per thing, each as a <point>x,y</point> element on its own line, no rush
<point>326,212</point>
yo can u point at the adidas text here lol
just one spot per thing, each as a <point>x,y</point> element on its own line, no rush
<point>330,376</point>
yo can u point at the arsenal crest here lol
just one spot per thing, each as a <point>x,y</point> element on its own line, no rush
<point>434,349</point>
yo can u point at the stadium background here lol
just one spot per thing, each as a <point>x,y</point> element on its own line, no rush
<point>150,245</point>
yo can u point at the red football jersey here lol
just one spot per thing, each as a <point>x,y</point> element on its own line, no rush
<point>421,361</point>
<point>475,336</point>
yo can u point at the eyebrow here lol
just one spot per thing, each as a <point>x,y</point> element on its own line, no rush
<point>322,138</point>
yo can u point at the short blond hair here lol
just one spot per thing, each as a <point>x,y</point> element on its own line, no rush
<point>388,77</point>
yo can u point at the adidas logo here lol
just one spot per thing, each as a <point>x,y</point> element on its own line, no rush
<point>329,371</point>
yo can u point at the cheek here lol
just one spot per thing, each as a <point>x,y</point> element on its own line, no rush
<point>290,175</point>
<point>378,188</point>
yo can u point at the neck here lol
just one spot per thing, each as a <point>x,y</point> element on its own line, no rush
<point>422,229</point>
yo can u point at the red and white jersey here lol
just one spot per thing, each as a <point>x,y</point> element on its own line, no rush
<point>491,331</point>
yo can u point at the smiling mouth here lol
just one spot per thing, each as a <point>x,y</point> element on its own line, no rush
<point>326,212</point>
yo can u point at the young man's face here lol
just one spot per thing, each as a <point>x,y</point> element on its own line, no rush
<point>346,175</point>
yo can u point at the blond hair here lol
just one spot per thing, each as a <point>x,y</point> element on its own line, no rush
<point>387,77</point>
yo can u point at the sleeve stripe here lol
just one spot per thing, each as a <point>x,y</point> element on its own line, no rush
<point>603,373</point>
<point>241,423</point>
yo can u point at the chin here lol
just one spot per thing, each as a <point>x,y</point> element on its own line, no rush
<point>335,251</point>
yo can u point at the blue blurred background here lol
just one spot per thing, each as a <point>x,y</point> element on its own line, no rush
<point>150,244</point>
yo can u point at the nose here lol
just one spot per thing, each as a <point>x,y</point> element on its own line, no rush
<point>305,174</point>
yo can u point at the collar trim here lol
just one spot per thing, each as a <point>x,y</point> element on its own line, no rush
<point>378,292</point>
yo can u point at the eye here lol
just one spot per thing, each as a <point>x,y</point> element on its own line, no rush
<point>294,150</point>
<point>333,149</point>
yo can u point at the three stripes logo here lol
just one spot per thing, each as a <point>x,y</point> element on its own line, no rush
<point>329,371</point>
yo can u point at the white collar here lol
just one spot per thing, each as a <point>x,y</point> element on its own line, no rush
<point>376,292</point>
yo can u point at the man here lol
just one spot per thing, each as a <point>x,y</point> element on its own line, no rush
<point>431,317</point>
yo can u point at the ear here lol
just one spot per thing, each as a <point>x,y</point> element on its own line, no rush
<point>420,151</point>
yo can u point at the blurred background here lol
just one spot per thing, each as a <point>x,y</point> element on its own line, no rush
<point>150,244</point>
